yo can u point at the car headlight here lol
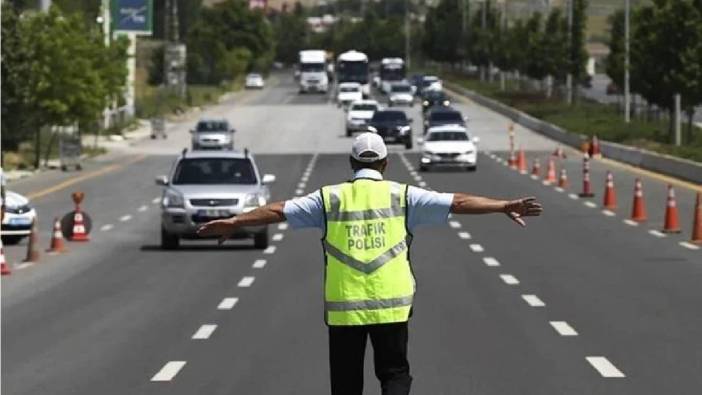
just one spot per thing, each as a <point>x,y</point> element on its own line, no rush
<point>403,129</point>
<point>425,103</point>
<point>254,200</point>
<point>446,102</point>
<point>173,199</point>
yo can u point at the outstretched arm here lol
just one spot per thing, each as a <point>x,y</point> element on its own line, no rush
<point>268,214</point>
<point>514,209</point>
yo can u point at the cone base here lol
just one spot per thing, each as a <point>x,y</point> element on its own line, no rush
<point>586,195</point>
<point>639,219</point>
<point>79,239</point>
<point>5,271</point>
<point>671,230</point>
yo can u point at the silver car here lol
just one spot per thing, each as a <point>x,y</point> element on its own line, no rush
<point>19,216</point>
<point>212,134</point>
<point>204,186</point>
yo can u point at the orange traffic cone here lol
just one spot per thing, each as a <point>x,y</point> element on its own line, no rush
<point>521,162</point>
<point>587,188</point>
<point>550,172</point>
<point>4,267</point>
<point>595,147</point>
<point>57,245</point>
<point>563,180</point>
<point>610,195</point>
<point>697,222</point>
<point>512,161</point>
<point>672,224</point>
<point>559,153</point>
<point>32,253</point>
<point>536,168</point>
<point>79,233</point>
<point>638,211</point>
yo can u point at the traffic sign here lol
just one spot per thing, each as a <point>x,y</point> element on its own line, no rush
<point>132,16</point>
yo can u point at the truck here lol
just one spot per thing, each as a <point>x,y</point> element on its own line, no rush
<point>313,71</point>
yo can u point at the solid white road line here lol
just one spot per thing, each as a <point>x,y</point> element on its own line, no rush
<point>630,222</point>
<point>590,204</point>
<point>125,218</point>
<point>509,279</point>
<point>259,264</point>
<point>282,226</point>
<point>454,224</point>
<point>689,245</point>
<point>168,371</point>
<point>573,196</point>
<point>604,367</point>
<point>156,200</point>
<point>246,281</point>
<point>106,227</point>
<point>227,303</point>
<point>277,237</point>
<point>656,233</point>
<point>476,248</point>
<point>143,208</point>
<point>204,332</point>
<point>608,213</point>
<point>490,261</point>
<point>464,235</point>
<point>533,301</point>
<point>563,328</point>
<point>269,250</point>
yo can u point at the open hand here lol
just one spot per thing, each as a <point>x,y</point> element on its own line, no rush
<point>525,207</point>
<point>220,227</point>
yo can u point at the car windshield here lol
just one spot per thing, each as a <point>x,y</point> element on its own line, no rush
<point>447,136</point>
<point>364,107</point>
<point>214,171</point>
<point>384,116</point>
<point>446,116</point>
<point>401,88</point>
<point>348,89</point>
<point>434,96</point>
<point>254,76</point>
<point>312,67</point>
<point>212,126</point>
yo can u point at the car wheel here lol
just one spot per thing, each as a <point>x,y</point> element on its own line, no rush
<point>423,168</point>
<point>408,143</point>
<point>11,240</point>
<point>169,241</point>
<point>261,239</point>
<point>472,168</point>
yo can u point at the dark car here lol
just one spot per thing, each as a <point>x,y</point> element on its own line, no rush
<point>393,126</point>
<point>433,98</point>
<point>440,115</point>
<point>416,82</point>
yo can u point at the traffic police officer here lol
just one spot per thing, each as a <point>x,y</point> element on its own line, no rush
<point>369,286</point>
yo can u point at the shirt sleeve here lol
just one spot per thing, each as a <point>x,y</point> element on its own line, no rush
<point>427,207</point>
<point>305,212</point>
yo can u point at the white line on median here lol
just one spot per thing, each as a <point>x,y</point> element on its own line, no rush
<point>464,235</point>
<point>259,264</point>
<point>573,196</point>
<point>246,281</point>
<point>454,224</point>
<point>168,371</point>
<point>277,237</point>
<point>656,233</point>
<point>143,208</point>
<point>534,177</point>
<point>282,226</point>
<point>204,332</point>
<point>106,227</point>
<point>604,367</point>
<point>608,213</point>
<point>125,218</point>
<point>490,261</point>
<point>590,204</point>
<point>563,328</point>
<point>533,301</point>
<point>269,250</point>
<point>559,189</point>
<point>630,222</point>
<point>476,248</point>
<point>227,303</point>
<point>509,279</point>
<point>689,246</point>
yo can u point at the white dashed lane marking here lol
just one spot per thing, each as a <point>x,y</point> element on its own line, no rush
<point>259,264</point>
<point>283,226</point>
<point>227,303</point>
<point>604,367</point>
<point>559,189</point>
<point>630,222</point>
<point>573,196</point>
<point>168,371</point>
<point>590,204</point>
<point>143,208</point>
<point>204,332</point>
<point>608,213</point>
<point>23,265</point>
<point>277,237</point>
<point>533,301</point>
<point>689,246</point>
<point>454,224</point>
<point>656,233</point>
<point>246,281</point>
<point>269,250</point>
<point>106,227</point>
<point>490,261</point>
<point>301,185</point>
<point>476,248</point>
<point>509,279</point>
<point>563,328</point>
<point>299,191</point>
<point>155,200</point>
<point>125,218</point>
<point>464,235</point>
<point>422,184</point>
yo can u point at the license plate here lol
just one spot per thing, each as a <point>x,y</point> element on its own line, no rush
<point>213,213</point>
<point>20,221</point>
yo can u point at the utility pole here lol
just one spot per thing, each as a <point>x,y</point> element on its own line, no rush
<point>569,77</point>
<point>627,94</point>
<point>407,36</point>
<point>175,52</point>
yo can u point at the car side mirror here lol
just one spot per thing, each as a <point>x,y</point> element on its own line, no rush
<point>476,139</point>
<point>268,179</point>
<point>372,129</point>
<point>162,180</point>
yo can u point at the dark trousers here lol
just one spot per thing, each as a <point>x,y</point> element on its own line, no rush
<point>347,346</point>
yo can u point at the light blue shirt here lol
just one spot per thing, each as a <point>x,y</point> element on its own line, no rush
<point>424,207</point>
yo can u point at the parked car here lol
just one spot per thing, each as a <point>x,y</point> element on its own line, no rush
<point>393,126</point>
<point>19,215</point>
<point>348,92</point>
<point>212,134</point>
<point>449,145</point>
<point>440,115</point>
<point>359,114</point>
<point>206,185</point>
<point>254,81</point>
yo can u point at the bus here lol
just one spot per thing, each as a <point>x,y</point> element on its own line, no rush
<point>312,66</point>
<point>352,66</point>
<point>392,70</point>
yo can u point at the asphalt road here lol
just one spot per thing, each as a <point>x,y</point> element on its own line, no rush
<point>560,307</point>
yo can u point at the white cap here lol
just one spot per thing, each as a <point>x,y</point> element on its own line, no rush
<point>368,147</point>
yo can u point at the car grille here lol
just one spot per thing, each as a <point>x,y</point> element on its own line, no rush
<point>449,155</point>
<point>214,202</point>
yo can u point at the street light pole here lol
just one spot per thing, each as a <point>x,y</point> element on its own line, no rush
<point>627,94</point>
<point>569,77</point>
<point>407,35</point>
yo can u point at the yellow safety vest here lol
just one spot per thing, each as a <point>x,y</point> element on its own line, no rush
<point>368,279</point>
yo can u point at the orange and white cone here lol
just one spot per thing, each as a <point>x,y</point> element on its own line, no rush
<point>4,267</point>
<point>57,245</point>
<point>551,172</point>
<point>536,168</point>
<point>79,232</point>
<point>587,187</point>
<point>559,153</point>
<point>521,162</point>
<point>638,210</point>
<point>697,222</point>
<point>595,147</point>
<point>610,196</point>
<point>563,179</point>
<point>512,161</point>
<point>672,222</point>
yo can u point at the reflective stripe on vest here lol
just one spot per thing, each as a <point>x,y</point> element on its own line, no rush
<point>368,279</point>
